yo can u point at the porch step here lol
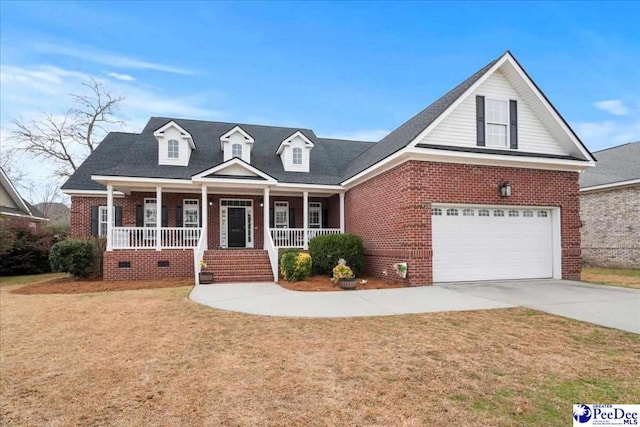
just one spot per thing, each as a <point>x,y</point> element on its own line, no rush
<point>238,265</point>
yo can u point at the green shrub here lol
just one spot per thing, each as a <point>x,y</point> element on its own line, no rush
<point>342,271</point>
<point>295,266</point>
<point>328,249</point>
<point>24,251</point>
<point>73,256</point>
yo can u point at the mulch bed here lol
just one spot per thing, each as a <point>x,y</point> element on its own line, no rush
<point>72,285</point>
<point>324,283</point>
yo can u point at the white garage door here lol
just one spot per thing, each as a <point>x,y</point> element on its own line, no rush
<point>491,243</point>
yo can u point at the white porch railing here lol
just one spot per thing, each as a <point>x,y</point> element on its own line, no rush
<point>294,237</point>
<point>198,254</point>
<point>145,237</point>
<point>273,255</point>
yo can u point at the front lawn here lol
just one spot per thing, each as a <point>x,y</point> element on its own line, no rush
<point>627,278</point>
<point>152,357</point>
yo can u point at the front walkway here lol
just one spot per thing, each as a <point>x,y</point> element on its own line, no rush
<point>269,299</point>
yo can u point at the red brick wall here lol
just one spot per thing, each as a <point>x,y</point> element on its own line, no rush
<point>144,264</point>
<point>392,212</point>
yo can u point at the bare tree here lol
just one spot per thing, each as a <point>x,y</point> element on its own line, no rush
<point>68,139</point>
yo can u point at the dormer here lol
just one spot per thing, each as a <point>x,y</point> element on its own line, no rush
<point>295,152</point>
<point>174,145</point>
<point>236,143</point>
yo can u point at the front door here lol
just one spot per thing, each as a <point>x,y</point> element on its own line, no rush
<point>237,228</point>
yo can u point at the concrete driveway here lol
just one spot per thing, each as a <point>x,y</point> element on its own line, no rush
<point>609,306</point>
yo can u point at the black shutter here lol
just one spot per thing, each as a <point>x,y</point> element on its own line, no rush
<point>325,218</point>
<point>165,216</point>
<point>94,220</point>
<point>271,218</point>
<point>292,218</point>
<point>178,216</point>
<point>118,216</point>
<point>139,216</point>
<point>513,123</point>
<point>480,121</point>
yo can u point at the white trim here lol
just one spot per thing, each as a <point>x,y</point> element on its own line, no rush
<point>227,136</point>
<point>144,211</point>
<point>13,193</point>
<point>25,216</point>
<point>315,207</point>
<point>249,235</point>
<point>191,207</point>
<point>232,162</point>
<point>611,185</point>
<point>284,205</point>
<point>287,141</point>
<point>92,193</point>
<point>137,179</point>
<point>159,133</point>
<point>298,187</point>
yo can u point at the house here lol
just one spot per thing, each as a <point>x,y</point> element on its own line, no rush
<point>58,213</point>
<point>15,212</point>
<point>482,184</point>
<point>610,208</point>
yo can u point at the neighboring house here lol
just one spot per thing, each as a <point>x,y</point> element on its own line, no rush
<point>14,210</point>
<point>482,184</point>
<point>610,208</point>
<point>58,213</point>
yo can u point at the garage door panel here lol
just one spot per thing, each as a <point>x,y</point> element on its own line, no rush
<point>468,247</point>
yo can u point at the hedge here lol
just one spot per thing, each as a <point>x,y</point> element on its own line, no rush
<point>73,256</point>
<point>23,251</point>
<point>295,266</point>
<point>328,249</point>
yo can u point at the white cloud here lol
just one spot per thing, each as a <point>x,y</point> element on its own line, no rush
<point>119,76</point>
<point>608,133</point>
<point>612,106</point>
<point>359,135</point>
<point>108,58</point>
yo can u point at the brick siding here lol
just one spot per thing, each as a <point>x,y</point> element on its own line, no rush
<point>392,212</point>
<point>144,264</point>
<point>611,227</point>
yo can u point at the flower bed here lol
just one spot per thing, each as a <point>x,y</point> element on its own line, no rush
<point>324,283</point>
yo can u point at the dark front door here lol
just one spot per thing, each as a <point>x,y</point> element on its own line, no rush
<point>237,229</point>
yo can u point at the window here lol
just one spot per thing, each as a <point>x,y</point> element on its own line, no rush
<point>236,202</point>
<point>452,212</point>
<point>191,213</point>
<point>528,214</point>
<point>315,215</point>
<point>467,212</point>
<point>542,214</point>
<point>436,212</point>
<point>498,212</point>
<point>483,212</point>
<point>497,113</point>
<point>236,150</point>
<point>150,213</point>
<point>281,214</point>
<point>514,213</point>
<point>297,156</point>
<point>102,220</point>
<point>173,149</point>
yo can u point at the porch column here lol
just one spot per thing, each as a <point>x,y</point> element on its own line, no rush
<point>158,218</point>
<point>305,216</point>
<point>265,215</point>
<point>342,212</point>
<point>205,210</point>
<point>109,217</point>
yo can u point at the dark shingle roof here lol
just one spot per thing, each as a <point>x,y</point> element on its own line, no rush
<point>127,154</point>
<point>615,164</point>
<point>409,130</point>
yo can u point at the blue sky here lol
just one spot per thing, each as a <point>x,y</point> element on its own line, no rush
<point>354,70</point>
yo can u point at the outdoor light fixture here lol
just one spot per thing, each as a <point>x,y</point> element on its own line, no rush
<point>505,189</point>
<point>261,202</point>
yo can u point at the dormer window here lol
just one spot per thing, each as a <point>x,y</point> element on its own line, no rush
<point>175,145</point>
<point>295,152</point>
<point>297,156</point>
<point>236,143</point>
<point>236,150</point>
<point>173,149</point>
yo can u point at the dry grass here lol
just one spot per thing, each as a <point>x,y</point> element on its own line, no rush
<point>612,276</point>
<point>324,283</point>
<point>72,285</point>
<point>151,357</point>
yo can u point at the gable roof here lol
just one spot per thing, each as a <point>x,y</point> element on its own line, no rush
<point>615,165</point>
<point>24,208</point>
<point>412,128</point>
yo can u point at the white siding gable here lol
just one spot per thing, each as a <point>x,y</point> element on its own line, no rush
<point>459,127</point>
<point>241,140</point>
<point>5,199</point>
<point>176,134</point>
<point>295,153</point>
